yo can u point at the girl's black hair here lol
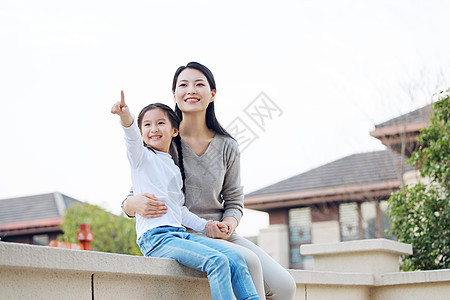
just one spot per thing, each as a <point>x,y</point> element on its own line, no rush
<point>211,120</point>
<point>175,122</point>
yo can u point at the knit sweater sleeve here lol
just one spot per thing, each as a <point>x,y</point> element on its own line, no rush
<point>232,190</point>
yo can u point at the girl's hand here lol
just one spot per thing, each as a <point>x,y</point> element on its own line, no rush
<point>121,109</point>
<point>146,205</point>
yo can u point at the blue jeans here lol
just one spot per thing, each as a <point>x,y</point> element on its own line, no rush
<point>225,267</point>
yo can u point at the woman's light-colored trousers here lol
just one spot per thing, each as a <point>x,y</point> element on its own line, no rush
<point>271,280</point>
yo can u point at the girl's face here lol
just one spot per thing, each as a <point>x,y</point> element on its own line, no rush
<point>192,92</point>
<point>156,130</point>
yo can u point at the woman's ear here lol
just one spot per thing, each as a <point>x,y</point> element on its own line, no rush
<point>213,95</point>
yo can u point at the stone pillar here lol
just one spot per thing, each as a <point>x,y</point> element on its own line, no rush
<point>325,232</point>
<point>374,256</point>
<point>275,242</point>
<point>413,177</point>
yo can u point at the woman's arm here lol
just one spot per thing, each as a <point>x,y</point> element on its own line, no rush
<point>232,191</point>
<point>146,205</point>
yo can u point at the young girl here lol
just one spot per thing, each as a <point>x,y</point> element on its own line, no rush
<point>153,170</point>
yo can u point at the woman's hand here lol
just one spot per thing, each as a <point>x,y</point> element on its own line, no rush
<point>216,230</point>
<point>232,223</point>
<point>221,230</point>
<point>146,205</point>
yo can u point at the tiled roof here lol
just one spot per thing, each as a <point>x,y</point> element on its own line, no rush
<point>354,169</point>
<point>420,115</point>
<point>32,208</point>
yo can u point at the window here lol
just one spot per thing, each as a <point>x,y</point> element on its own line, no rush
<point>368,220</point>
<point>299,233</point>
<point>385,222</point>
<point>349,221</point>
<point>40,239</point>
<point>365,220</point>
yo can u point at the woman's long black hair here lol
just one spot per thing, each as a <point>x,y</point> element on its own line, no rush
<point>211,120</point>
<point>175,122</point>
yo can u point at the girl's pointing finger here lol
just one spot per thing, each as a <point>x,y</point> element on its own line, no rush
<point>122,99</point>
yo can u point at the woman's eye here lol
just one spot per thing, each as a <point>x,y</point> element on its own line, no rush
<point>161,123</point>
<point>182,84</point>
<point>200,84</point>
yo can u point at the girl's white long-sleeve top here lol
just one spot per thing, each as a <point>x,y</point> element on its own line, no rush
<point>156,173</point>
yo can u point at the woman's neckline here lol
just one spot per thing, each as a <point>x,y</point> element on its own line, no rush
<point>204,152</point>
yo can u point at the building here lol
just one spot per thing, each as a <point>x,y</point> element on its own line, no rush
<point>342,200</point>
<point>33,219</point>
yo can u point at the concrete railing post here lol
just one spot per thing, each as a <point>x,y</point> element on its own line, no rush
<point>374,256</point>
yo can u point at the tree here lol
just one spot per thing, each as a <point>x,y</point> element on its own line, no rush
<point>112,233</point>
<point>420,214</point>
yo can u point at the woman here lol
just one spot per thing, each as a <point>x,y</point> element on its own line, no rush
<point>212,178</point>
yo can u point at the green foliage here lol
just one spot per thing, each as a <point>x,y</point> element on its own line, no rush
<point>433,156</point>
<point>421,217</point>
<point>420,214</point>
<point>112,233</point>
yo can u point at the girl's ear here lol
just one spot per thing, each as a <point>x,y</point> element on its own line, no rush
<point>213,95</point>
<point>175,132</point>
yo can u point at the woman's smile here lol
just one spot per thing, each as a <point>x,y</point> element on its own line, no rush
<point>192,100</point>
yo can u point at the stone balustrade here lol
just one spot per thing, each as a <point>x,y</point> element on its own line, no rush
<point>366,269</point>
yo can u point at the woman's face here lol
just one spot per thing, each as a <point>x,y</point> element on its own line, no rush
<point>192,92</point>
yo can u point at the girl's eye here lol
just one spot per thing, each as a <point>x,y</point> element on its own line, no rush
<point>161,123</point>
<point>146,125</point>
<point>200,84</point>
<point>182,84</point>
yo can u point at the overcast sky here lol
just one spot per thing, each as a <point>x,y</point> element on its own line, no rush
<point>330,71</point>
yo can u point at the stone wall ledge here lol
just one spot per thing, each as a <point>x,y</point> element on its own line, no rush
<point>23,256</point>
<point>398,278</point>
<point>14,255</point>
<point>332,278</point>
<point>28,271</point>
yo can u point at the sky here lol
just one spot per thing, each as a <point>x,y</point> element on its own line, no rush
<point>302,82</point>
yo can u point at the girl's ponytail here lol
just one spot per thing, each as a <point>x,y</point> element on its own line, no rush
<point>180,160</point>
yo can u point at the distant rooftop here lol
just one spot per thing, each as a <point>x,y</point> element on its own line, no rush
<point>35,207</point>
<point>359,168</point>
<point>400,134</point>
<point>420,115</point>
